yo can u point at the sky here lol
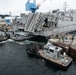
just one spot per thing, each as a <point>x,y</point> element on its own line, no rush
<point>18,6</point>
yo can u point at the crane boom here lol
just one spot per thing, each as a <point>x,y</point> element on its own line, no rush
<point>39,4</point>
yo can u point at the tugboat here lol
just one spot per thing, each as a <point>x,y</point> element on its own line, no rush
<point>54,55</point>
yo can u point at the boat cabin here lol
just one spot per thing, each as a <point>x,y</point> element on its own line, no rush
<point>53,51</point>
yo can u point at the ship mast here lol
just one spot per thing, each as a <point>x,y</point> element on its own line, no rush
<point>65,6</point>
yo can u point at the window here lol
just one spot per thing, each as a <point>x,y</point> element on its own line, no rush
<point>62,14</point>
<point>55,24</point>
<point>46,48</point>
<point>71,18</point>
<point>67,19</point>
<point>51,50</point>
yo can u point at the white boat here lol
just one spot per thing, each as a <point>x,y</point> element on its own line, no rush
<point>53,54</point>
<point>20,36</point>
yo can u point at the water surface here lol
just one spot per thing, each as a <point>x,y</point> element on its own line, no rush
<point>14,60</point>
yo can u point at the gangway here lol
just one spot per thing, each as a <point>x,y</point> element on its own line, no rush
<point>33,22</point>
<point>31,15</point>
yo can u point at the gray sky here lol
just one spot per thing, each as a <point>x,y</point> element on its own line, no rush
<point>18,6</point>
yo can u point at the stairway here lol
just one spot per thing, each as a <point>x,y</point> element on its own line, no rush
<point>33,22</point>
<point>31,15</point>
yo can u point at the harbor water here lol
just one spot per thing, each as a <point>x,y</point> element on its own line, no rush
<point>14,60</point>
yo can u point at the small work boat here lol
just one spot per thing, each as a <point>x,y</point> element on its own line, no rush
<point>20,36</point>
<point>54,55</point>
